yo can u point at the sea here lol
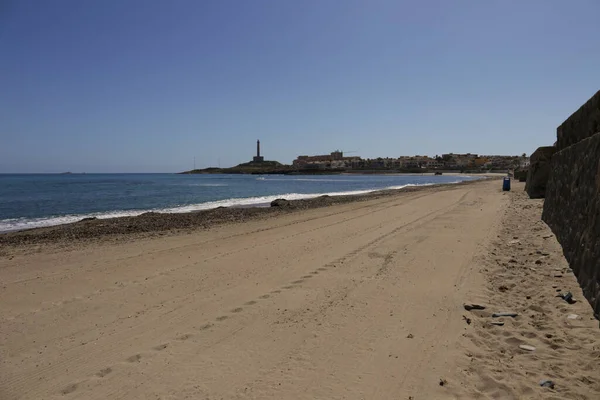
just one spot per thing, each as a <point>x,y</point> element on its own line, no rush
<point>38,200</point>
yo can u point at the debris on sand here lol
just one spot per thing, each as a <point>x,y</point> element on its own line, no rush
<point>547,383</point>
<point>470,307</point>
<point>568,297</point>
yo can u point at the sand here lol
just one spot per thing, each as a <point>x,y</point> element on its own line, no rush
<point>524,271</point>
<point>357,301</point>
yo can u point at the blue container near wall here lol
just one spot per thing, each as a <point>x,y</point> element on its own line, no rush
<point>506,185</point>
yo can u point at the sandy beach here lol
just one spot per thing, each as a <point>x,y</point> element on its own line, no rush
<point>352,300</point>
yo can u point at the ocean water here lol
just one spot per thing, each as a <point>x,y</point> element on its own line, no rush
<point>29,201</point>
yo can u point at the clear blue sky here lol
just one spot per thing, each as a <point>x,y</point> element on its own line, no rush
<point>146,85</point>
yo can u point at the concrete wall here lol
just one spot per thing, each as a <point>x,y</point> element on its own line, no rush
<point>572,205</point>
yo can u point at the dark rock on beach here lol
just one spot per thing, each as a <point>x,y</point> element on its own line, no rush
<point>280,203</point>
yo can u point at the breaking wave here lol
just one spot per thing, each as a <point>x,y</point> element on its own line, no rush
<point>17,224</point>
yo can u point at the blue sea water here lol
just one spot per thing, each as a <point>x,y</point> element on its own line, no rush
<point>29,201</point>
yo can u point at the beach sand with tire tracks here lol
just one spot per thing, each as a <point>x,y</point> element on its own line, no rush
<point>357,300</point>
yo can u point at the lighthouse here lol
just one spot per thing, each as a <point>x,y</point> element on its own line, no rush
<point>258,158</point>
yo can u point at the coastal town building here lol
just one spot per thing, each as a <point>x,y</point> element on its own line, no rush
<point>335,159</point>
<point>449,161</point>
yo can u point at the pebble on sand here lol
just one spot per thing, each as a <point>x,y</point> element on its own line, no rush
<point>526,347</point>
<point>470,307</point>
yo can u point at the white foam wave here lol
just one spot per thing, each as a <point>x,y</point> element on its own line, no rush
<point>208,184</point>
<point>306,180</point>
<point>18,224</point>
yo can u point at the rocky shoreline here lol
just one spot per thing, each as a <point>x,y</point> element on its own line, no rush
<point>152,224</point>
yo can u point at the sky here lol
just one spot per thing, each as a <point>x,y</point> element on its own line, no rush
<point>149,85</point>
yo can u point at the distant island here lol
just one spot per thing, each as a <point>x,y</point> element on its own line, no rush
<point>252,167</point>
<point>276,168</point>
<point>259,166</point>
<point>337,163</point>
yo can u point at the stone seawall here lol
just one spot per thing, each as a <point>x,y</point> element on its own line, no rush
<point>582,124</point>
<point>539,172</point>
<point>572,205</point>
<point>572,210</point>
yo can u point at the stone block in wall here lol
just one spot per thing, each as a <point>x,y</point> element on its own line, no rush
<point>582,124</point>
<point>521,175</point>
<point>539,172</point>
<point>572,210</point>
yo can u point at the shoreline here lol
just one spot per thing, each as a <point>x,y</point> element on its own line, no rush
<point>18,224</point>
<point>149,223</point>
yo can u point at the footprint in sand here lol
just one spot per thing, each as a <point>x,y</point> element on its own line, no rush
<point>160,347</point>
<point>104,372</point>
<point>222,318</point>
<point>528,335</point>
<point>135,358</point>
<point>555,346</point>
<point>264,296</point>
<point>237,310</point>
<point>69,389</point>
<point>513,341</point>
<point>249,303</point>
